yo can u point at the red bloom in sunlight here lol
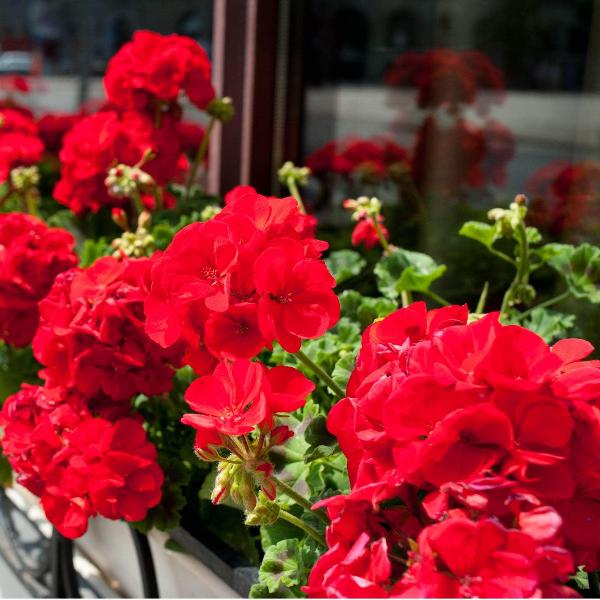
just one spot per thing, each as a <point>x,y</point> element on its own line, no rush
<point>153,69</point>
<point>91,336</point>
<point>463,559</point>
<point>31,256</point>
<point>366,234</point>
<point>241,395</point>
<point>297,301</point>
<point>444,416</point>
<point>120,465</point>
<point>99,142</point>
<point>212,288</point>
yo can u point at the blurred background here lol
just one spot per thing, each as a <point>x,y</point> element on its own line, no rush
<point>442,108</point>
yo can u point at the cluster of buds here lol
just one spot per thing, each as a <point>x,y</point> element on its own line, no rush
<point>124,181</point>
<point>133,244</point>
<point>24,178</point>
<point>243,466</point>
<point>290,172</point>
<point>221,109</point>
<point>363,207</point>
<point>509,219</point>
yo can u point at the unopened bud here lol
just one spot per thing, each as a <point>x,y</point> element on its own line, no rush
<point>209,212</point>
<point>120,218</point>
<point>265,512</point>
<point>24,178</point>
<point>521,199</point>
<point>289,171</point>
<point>221,109</point>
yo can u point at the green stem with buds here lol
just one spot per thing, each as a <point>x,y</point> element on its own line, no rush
<point>298,499</point>
<point>290,518</point>
<point>320,373</point>
<point>384,243</point>
<point>293,187</point>
<point>522,275</point>
<point>200,155</point>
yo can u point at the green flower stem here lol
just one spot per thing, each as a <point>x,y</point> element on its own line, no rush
<point>293,187</point>
<point>545,304</point>
<point>384,243</point>
<point>286,516</point>
<point>437,298</point>
<point>482,298</point>
<point>200,155</point>
<point>30,200</point>
<point>320,373</point>
<point>504,257</point>
<point>522,275</point>
<point>137,202</point>
<point>298,499</point>
<point>406,298</point>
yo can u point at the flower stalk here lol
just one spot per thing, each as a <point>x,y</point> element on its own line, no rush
<point>320,373</point>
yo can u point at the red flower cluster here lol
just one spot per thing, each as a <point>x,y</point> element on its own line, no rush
<point>99,142</point>
<point>365,233</point>
<point>31,256</point>
<point>447,159</point>
<point>442,416</point>
<point>91,336</point>
<point>561,194</point>
<point>231,286</point>
<point>79,465</point>
<point>448,77</point>
<point>19,142</point>
<point>150,72</point>
<point>53,127</point>
<point>371,159</point>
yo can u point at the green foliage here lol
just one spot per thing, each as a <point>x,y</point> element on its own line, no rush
<point>163,234</point>
<point>364,309</point>
<point>280,565</point>
<point>578,265</point>
<point>549,324</point>
<point>17,366</point>
<point>484,233</point>
<point>406,271</point>
<point>345,264</point>
<point>92,250</point>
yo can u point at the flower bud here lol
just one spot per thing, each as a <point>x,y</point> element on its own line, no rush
<point>265,512</point>
<point>120,218</point>
<point>221,109</point>
<point>290,171</point>
<point>24,178</point>
<point>209,212</point>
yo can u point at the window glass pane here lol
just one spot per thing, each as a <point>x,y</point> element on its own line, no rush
<point>445,109</point>
<point>64,45</point>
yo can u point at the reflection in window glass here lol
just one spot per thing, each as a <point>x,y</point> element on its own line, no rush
<point>445,109</point>
<point>63,46</point>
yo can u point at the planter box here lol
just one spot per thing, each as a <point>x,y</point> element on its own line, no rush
<point>107,561</point>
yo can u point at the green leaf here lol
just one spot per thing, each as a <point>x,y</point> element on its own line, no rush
<point>345,264</point>
<point>162,234</point>
<point>259,590</point>
<point>343,369</point>
<point>549,324</point>
<point>404,270</point>
<point>93,250</point>
<point>581,578</point>
<point>483,233</point>
<point>316,433</point>
<point>280,565</point>
<point>580,267</point>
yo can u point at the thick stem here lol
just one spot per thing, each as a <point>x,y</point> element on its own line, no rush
<point>137,202</point>
<point>545,304</point>
<point>291,183</point>
<point>406,298</point>
<point>522,274</point>
<point>482,298</point>
<point>298,499</point>
<point>30,198</point>
<point>384,243</point>
<point>286,516</point>
<point>200,155</point>
<point>320,373</point>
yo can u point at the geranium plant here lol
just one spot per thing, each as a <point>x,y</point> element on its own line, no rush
<point>209,361</point>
